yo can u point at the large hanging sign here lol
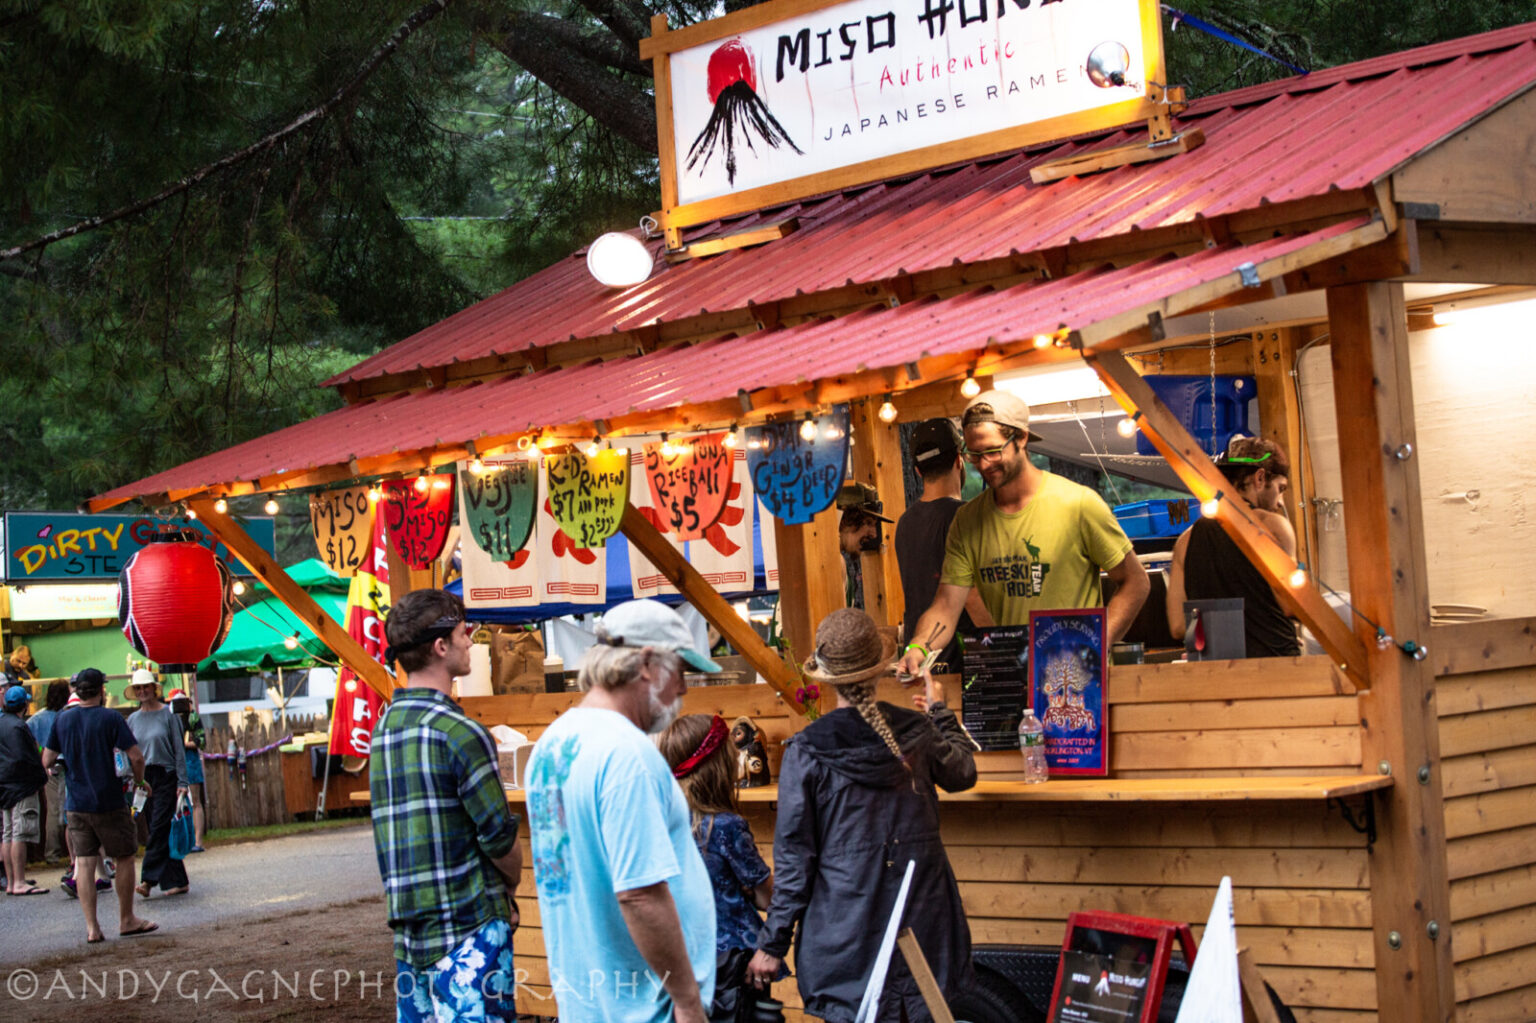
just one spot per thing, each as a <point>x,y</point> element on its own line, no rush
<point>566,573</point>
<point>418,517</point>
<point>690,483</point>
<point>342,521</point>
<point>724,555</point>
<point>499,505</point>
<point>65,547</point>
<point>795,470</point>
<point>587,494</point>
<point>772,110</point>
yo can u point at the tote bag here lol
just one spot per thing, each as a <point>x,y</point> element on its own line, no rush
<point>181,829</point>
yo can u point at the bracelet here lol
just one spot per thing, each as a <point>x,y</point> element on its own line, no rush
<point>918,646</point>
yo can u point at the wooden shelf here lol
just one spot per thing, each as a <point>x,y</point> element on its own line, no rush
<point>1132,790</point>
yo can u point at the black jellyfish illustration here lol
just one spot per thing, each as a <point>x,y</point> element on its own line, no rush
<point>739,111</point>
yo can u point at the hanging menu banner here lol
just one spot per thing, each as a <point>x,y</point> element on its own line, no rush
<point>995,680</point>
<point>690,483</point>
<point>794,476</point>
<point>587,494</point>
<point>418,517</point>
<point>342,521</point>
<point>499,506</point>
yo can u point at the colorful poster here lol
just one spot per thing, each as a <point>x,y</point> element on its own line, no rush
<point>357,707</point>
<point>795,475</point>
<point>723,555</point>
<point>689,482</point>
<point>418,512</point>
<point>566,573</point>
<point>65,547</point>
<point>342,522</point>
<point>1068,672</point>
<point>498,505</point>
<point>493,582</point>
<point>588,493</point>
<point>645,577</point>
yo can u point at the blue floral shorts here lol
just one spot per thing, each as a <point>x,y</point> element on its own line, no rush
<point>472,984</point>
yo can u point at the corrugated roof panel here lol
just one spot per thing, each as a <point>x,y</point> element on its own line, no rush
<point>877,337</point>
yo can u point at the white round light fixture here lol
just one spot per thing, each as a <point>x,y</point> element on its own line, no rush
<point>619,260</point>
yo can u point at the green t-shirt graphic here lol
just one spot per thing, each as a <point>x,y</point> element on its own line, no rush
<point>1045,557</point>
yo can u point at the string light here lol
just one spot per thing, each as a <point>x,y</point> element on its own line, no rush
<point>238,588</point>
<point>375,495</point>
<point>292,642</point>
<point>1210,506</point>
<point>667,450</point>
<point>191,514</point>
<point>533,452</point>
<point>476,466</point>
<point>887,411</point>
<point>270,507</point>
<point>1043,340</point>
<point>1126,427</point>
<point>594,447</point>
<point>808,428</point>
<point>221,506</point>
<point>970,388</point>
<point>1298,578</point>
<point>421,481</point>
<point>439,483</point>
<point>730,437</point>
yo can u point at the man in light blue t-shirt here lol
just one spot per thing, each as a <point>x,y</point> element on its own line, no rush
<point>627,907</point>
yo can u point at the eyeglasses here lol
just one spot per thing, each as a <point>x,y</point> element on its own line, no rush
<point>987,455</point>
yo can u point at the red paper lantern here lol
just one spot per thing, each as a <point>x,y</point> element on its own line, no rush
<point>173,601</point>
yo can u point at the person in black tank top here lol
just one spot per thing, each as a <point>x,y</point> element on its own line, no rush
<point>1208,564</point>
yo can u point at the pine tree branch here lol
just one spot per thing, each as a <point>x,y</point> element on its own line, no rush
<point>298,124</point>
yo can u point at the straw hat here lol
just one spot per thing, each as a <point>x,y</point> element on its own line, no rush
<point>849,648</point>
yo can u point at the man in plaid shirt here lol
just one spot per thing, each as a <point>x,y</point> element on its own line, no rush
<point>446,843</point>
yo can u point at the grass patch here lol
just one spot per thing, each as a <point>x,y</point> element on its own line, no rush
<point>256,833</point>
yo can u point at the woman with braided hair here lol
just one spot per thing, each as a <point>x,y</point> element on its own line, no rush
<point>857,801</point>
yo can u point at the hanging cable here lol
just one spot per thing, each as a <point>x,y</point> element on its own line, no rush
<point>1180,18</point>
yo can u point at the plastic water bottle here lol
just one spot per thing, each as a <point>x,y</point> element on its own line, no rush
<point>140,797</point>
<point>1032,744</point>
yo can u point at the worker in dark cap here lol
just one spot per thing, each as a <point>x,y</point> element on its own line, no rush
<point>858,531</point>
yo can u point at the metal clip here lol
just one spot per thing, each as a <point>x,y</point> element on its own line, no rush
<point>1249,275</point>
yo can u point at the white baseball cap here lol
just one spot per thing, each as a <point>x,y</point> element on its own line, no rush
<point>641,623</point>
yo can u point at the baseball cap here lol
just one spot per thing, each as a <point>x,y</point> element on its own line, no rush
<point>17,697</point>
<point>639,623</point>
<point>862,498</point>
<point>935,443</point>
<point>996,406</point>
<point>88,681</point>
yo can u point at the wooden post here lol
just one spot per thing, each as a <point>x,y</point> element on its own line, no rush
<point>927,983</point>
<point>294,598</point>
<point>810,584</point>
<point>1274,353</point>
<point>638,530</point>
<point>1204,480</point>
<point>877,461</point>
<point>1410,892</point>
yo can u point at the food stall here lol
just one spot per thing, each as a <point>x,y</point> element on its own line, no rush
<point>1372,804</point>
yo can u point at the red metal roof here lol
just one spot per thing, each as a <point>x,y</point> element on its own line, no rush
<point>1299,138</point>
<point>716,370</point>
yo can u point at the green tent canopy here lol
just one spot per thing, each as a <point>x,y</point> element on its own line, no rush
<point>257,634</point>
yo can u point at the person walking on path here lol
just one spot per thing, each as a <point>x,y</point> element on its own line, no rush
<point>194,738</point>
<point>856,803</point>
<point>446,842</point>
<point>41,724</point>
<point>22,777</point>
<point>627,904</point>
<point>159,736</point>
<point>100,821</point>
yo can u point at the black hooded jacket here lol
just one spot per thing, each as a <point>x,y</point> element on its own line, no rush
<point>21,764</point>
<point>850,817</point>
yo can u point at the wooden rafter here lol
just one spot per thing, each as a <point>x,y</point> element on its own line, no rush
<point>1195,468</point>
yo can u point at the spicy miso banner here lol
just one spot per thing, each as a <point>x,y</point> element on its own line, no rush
<point>62,546</point>
<point>859,81</point>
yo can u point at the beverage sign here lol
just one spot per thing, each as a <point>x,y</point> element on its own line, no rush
<point>588,493</point>
<point>795,475</point>
<point>499,506</point>
<point>64,547</point>
<point>690,483</point>
<point>342,521</point>
<point>825,98</point>
<point>418,517</point>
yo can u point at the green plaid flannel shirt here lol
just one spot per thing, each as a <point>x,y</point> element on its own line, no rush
<point>439,817</point>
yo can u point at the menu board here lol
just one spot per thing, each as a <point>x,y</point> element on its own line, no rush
<point>795,475</point>
<point>1098,989</point>
<point>342,522</point>
<point>418,517</point>
<point>690,483</point>
<point>499,506</point>
<point>995,681</point>
<point>1067,671</point>
<point>588,493</point>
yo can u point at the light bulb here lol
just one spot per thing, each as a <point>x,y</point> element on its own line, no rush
<point>476,466</point>
<point>270,507</point>
<point>238,588</point>
<point>351,685</point>
<point>533,452</point>
<point>439,483</point>
<point>1126,427</point>
<point>1298,578</point>
<point>970,388</point>
<point>1210,506</point>
<point>292,642</point>
<point>594,447</point>
<point>1043,340</point>
<point>421,484</point>
<point>730,438</point>
<point>192,514</point>
<point>808,429</point>
<point>887,412</point>
<point>667,450</point>
<point>375,494</point>
<point>221,506</point>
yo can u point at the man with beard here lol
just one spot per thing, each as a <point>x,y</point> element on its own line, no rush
<point>446,843</point>
<point>627,905</point>
<point>1031,541</point>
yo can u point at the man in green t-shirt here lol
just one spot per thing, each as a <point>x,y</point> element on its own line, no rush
<point>1031,541</point>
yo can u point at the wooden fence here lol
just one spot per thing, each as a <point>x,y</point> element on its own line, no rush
<point>256,796</point>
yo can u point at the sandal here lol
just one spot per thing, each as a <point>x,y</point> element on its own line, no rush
<point>142,889</point>
<point>146,929</point>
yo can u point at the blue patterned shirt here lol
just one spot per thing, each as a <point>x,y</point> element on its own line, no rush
<point>734,864</point>
<point>439,817</point>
